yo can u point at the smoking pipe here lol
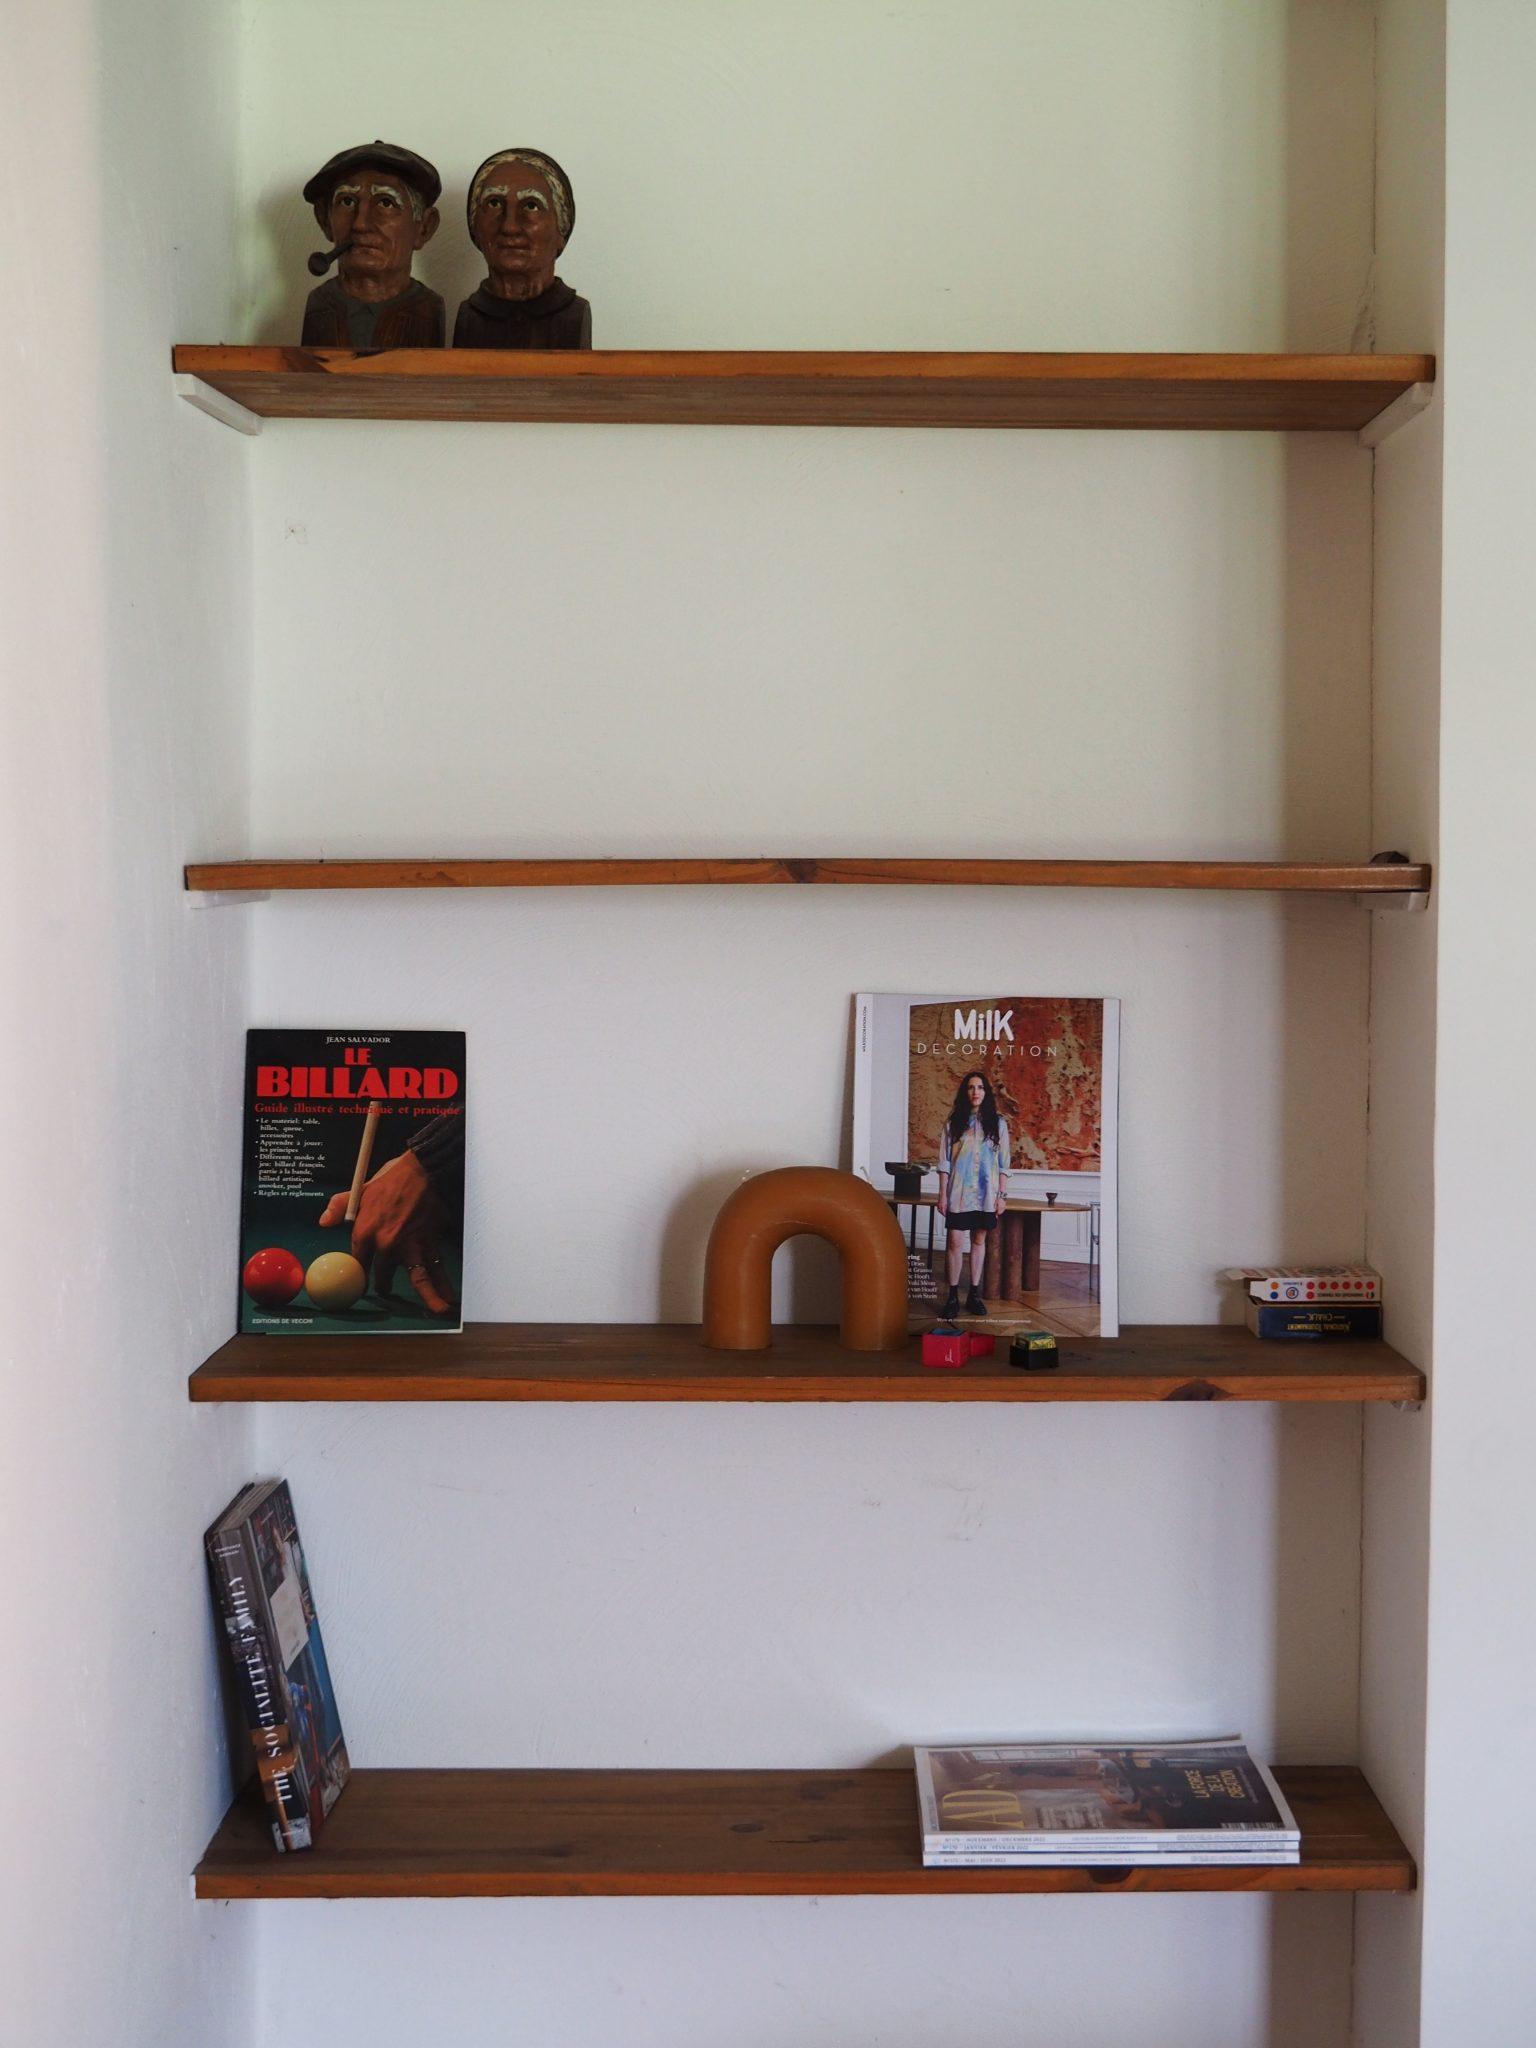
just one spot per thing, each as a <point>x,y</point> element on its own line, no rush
<point>322,259</point>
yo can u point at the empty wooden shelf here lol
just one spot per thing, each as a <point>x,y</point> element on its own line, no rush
<point>507,1834</point>
<point>1333,878</point>
<point>668,1362</point>
<point>811,388</point>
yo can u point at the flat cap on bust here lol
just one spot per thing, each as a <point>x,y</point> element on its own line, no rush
<point>412,169</point>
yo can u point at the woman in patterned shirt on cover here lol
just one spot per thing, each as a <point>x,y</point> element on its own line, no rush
<point>973,1174</point>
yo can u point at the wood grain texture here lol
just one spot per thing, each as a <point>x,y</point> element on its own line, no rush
<point>506,1834</point>
<point>669,1362</point>
<point>811,388</point>
<point>1303,876</point>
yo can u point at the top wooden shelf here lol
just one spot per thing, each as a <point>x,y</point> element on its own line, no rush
<point>1271,393</point>
<point>1382,878</point>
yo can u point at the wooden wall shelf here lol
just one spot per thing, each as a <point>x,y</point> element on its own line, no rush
<point>809,388</point>
<point>1335,878</point>
<point>517,1834</point>
<point>668,1362</point>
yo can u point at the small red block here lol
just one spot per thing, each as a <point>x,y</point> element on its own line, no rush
<point>946,1347</point>
<point>982,1346</point>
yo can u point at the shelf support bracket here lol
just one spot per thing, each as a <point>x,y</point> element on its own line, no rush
<point>1396,899</point>
<point>228,412</point>
<point>225,899</point>
<point>1393,899</point>
<point>1405,407</point>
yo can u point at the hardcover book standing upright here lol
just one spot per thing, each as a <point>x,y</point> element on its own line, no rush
<point>352,1190</point>
<point>261,1586</point>
<point>989,1124</point>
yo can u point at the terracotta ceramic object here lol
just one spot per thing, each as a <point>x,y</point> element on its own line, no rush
<point>795,1201</point>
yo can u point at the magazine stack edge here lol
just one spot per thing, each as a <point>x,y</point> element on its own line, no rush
<point>1204,1801</point>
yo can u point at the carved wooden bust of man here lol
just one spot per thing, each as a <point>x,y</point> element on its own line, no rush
<point>377,203</point>
<point>521,213</point>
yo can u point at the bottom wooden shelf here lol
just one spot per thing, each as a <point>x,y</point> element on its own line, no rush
<point>506,1834</point>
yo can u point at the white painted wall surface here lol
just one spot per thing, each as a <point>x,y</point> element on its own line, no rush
<point>1401,1191</point>
<point>449,623</point>
<point>1048,1973</point>
<point>723,1024</point>
<point>1000,174</point>
<point>1479,1978</point>
<point>684,640</point>
<point>477,640</point>
<point>124,629</point>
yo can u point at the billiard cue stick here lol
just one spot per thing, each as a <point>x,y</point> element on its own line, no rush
<point>364,1154</point>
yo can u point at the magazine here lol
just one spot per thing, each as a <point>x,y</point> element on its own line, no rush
<point>261,1588</point>
<point>989,1123</point>
<point>1055,1802</point>
<point>352,1188</point>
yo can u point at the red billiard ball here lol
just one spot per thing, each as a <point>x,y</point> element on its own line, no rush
<point>272,1277</point>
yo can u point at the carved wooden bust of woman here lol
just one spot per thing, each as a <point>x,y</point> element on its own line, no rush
<point>521,212</point>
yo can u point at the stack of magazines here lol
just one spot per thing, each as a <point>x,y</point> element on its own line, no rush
<point>1102,1802</point>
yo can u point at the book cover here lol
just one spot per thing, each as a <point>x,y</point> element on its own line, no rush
<point>261,1589</point>
<point>1059,1799</point>
<point>352,1187</point>
<point>989,1123</point>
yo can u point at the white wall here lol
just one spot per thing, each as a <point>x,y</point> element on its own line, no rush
<point>786,1587</point>
<point>563,639</point>
<point>124,641</point>
<point>1479,1868</point>
<point>1410,249</point>
<point>1448,1672</point>
<point>1134,174</point>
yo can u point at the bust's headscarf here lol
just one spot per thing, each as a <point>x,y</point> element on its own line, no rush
<point>559,186</point>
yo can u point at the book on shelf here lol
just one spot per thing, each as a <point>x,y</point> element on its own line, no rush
<point>1205,1801</point>
<point>990,1125</point>
<point>1312,1321</point>
<point>282,1681</point>
<point>352,1182</point>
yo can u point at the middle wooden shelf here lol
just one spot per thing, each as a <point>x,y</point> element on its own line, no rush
<point>669,1362</point>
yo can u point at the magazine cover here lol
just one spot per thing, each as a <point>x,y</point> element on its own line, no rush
<point>261,1587</point>
<point>352,1186</point>
<point>1022,1798</point>
<point>989,1124</point>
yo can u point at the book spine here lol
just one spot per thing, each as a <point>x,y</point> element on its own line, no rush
<point>258,1689</point>
<point>1305,1321</point>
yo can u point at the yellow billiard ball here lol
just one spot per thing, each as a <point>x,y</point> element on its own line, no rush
<point>335,1280</point>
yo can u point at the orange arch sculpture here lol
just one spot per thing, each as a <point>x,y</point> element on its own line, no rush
<point>794,1201</point>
